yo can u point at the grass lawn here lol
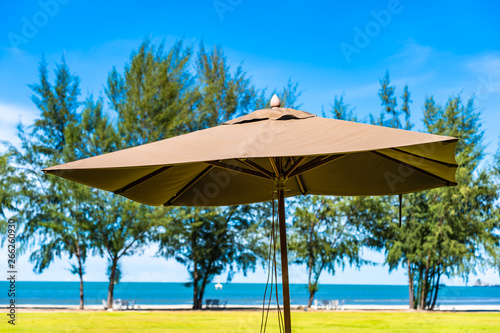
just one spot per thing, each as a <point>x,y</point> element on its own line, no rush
<point>249,321</point>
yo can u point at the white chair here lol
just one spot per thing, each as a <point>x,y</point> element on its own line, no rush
<point>117,304</point>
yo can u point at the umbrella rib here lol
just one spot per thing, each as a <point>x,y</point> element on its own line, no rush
<point>294,166</point>
<point>273,164</point>
<point>450,165</point>
<point>256,167</point>
<point>301,185</point>
<point>142,180</point>
<point>422,171</point>
<point>317,162</point>
<point>188,185</point>
<point>238,169</point>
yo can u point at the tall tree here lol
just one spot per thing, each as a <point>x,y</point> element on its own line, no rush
<point>387,94</point>
<point>209,241</point>
<point>121,228</point>
<point>387,227</point>
<point>326,232</point>
<point>223,95</point>
<point>341,110</point>
<point>154,99</point>
<point>495,170</point>
<point>52,211</point>
<point>447,229</point>
<point>325,235</point>
<point>7,191</point>
<point>155,95</point>
<point>405,108</point>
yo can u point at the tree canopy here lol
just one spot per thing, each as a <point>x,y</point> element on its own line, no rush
<point>167,91</point>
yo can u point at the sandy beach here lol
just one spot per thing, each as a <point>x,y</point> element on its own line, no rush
<point>236,307</point>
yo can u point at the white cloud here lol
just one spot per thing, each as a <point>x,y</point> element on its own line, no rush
<point>10,116</point>
<point>484,64</point>
<point>413,55</point>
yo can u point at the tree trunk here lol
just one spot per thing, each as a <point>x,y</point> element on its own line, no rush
<point>311,264</point>
<point>418,291</point>
<point>309,282</point>
<point>410,284</point>
<point>311,298</point>
<point>201,292</point>
<point>111,286</point>
<point>436,291</point>
<point>204,283</point>
<point>196,301</point>
<point>423,294</point>
<point>80,274</point>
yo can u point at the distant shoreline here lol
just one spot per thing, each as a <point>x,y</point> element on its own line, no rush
<point>183,307</point>
<point>65,295</point>
<point>263,283</point>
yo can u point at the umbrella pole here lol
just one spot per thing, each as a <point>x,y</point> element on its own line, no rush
<point>284,258</point>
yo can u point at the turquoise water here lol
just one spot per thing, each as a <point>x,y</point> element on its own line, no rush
<point>67,293</point>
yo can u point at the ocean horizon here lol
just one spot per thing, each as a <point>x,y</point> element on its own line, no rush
<point>175,293</point>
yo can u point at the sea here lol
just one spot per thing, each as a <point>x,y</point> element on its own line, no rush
<point>159,293</point>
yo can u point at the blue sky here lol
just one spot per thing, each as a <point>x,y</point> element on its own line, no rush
<point>329,47</point>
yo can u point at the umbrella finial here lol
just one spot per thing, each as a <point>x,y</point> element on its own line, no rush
<point>275,102</point>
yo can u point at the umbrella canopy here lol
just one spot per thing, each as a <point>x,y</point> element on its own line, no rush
<point>292,151</point>
<point>230,164</point>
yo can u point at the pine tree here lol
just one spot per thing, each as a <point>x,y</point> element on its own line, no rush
<point>325,235</point>
<point>208,240</point>
<point>223,95</point>
<point>7,184</point>
<point>154,98</point>
<point>389,103</point>
<point>53,212</point>
<point>327,232</point>
<point>387,94</point>
<point>446,229</point>
<point>342,111</point>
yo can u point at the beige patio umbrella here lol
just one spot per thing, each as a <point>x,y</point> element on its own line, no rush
<point>298,152</point>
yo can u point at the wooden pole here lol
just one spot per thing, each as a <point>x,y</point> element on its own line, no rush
<point>284,259</point>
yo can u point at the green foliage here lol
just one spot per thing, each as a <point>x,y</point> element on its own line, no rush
<point>51,211</point>
<point>342,111</point>
<point>387,94</point>
<point>325,234</point>
<point>166,92</point>
<point>53,207</point>
<point>447,231</point>
<point>155,94</point>
<point>154,98</point>
<point>405,108</point>
<point>222,95</point>
<point>208,241</point>
<point>7,186</point>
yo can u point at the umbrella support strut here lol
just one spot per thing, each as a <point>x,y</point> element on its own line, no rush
<point>284,259</point>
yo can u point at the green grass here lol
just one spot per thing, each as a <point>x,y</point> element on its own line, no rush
<point>239,321</point>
